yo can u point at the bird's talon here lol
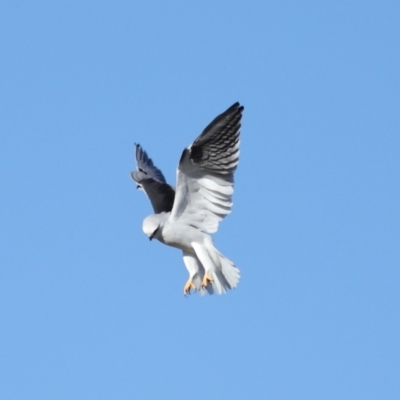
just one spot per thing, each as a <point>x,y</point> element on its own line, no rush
<point>206,280</point>
<point>188,287</point>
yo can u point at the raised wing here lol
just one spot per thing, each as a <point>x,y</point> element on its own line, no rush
<point>205,173</point>
<point>149,178</point>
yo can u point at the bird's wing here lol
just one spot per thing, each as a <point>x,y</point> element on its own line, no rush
<point>149,178</point>
<point>205,173</point>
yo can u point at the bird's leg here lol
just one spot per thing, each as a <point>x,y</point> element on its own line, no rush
<point>206,280</point>
<point>188,287</point>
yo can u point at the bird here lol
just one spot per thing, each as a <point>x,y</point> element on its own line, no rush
<point>186,216</point>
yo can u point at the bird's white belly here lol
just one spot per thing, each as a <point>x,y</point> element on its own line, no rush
<point>180,236</point>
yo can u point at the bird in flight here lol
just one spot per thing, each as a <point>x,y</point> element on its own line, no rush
<point>186,216</point>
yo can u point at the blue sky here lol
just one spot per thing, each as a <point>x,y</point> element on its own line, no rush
<point>90,309</point>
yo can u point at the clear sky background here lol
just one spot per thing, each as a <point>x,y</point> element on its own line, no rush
<point>90,309</point>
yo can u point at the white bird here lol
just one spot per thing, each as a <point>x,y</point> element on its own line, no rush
<point>185,218</point>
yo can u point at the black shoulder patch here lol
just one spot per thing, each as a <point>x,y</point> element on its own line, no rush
<point>196,153</point>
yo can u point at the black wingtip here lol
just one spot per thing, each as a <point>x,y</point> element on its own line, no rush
<point>235,106</point>
<point>233,113</point>
<point>234,109</point>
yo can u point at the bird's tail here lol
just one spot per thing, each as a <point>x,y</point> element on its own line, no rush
<point>224,274</point>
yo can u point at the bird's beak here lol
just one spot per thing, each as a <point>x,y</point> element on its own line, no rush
<point>153,234</point>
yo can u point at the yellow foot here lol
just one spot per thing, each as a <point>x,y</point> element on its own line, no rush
<point>206,280</point>
<point>188,287</point>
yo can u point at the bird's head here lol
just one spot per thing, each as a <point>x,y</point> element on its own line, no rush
<point>151,225</point>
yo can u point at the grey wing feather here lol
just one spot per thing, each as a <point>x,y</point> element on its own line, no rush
<point>161,195</point>
<point>145,167</point>
<point>152,181</point>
